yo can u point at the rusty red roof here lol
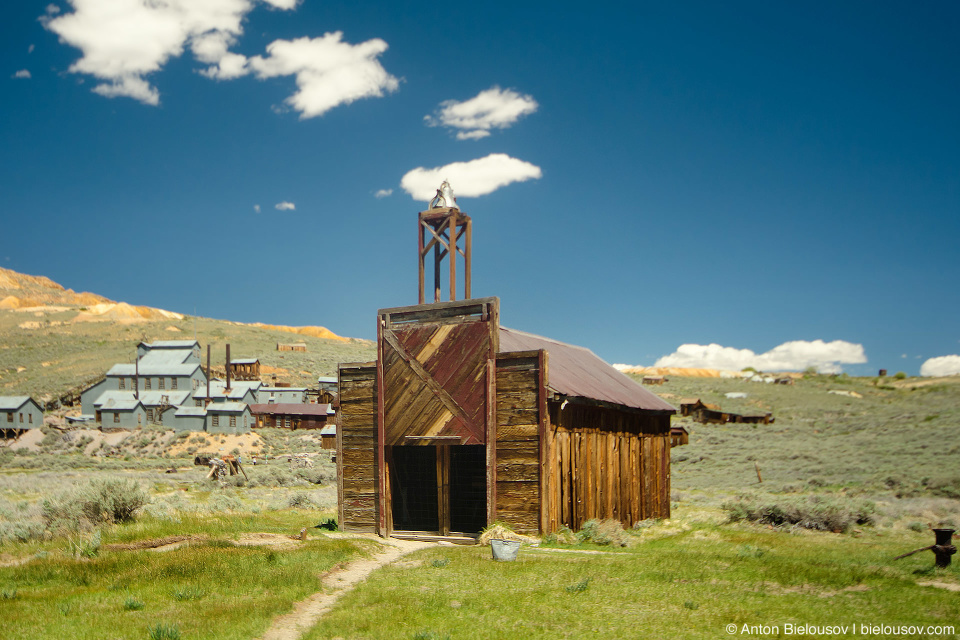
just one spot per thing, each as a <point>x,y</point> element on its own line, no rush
<point>290,409</point>
<point>578,372</point>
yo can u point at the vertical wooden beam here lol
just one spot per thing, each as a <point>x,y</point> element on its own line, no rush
<point>491,433</point>
<point>467,250</point>
<point>382,506</point>
<point>443,488</point>
<point>388,486</point>
<point>542,433</point>
<point>420,258</point>
<point>452,256</point>
<point>436,272</point>
<point>339,450</point>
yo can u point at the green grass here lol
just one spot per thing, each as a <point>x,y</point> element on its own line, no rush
<point>682,581</point>
<point>209,589</point>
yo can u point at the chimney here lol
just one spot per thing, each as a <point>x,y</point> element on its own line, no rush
<point>228,367</point>
<point>208,374</point>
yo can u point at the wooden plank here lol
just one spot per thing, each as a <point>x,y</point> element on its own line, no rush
<point>491,446</point>
<point>544,496</point>
<point>382,506</point>
<point>443,488</point>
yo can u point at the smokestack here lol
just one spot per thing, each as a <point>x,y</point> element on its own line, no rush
<point>208,374</point>
<point>228,367</point>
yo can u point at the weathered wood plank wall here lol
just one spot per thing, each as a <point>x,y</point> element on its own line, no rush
<point>518,386</point>
<point>356,448</point>
<point>606,463</point>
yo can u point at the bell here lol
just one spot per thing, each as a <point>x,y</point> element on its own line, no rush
<point>444,197</point>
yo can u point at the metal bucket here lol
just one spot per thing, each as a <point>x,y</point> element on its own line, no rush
<point>504,550</point>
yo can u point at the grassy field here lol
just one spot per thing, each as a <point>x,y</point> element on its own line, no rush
<point>897,440</point>
<point>687,578</point>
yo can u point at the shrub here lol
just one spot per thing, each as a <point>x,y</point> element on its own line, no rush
<point>900,375</point>
<point>111,500</point>
<point>579,587</point>
<point>811,512</point>
<point>132,604</point>
<point>300,500</point>
<point>164,632</point>
<point>603,532</point>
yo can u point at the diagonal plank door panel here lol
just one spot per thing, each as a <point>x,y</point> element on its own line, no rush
<point>435,381</point>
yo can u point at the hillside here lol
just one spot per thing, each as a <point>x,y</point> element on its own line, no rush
<point>832,432</point>
<point>53,340</point>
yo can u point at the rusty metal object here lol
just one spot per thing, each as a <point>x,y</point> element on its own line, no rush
<point>942,547</point>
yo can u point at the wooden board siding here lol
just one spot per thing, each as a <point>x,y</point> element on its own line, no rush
<point>356,449</point>
<point>518,425</point>
<point>606,463</point>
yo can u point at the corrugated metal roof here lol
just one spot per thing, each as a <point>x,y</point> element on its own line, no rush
<point>148,369</point>
<point>227,407</point>
<point>192,411</point>
<point>238,389</point>
<point>120,404</point>
<point>171,344</point>
<point>245,361</point>
<point>327,379</point>
<point>276,389</point>
<point>166,357</point>
<point>148,398</point>
<point>328,430</point>
<point>9,403</point>
<point>578,372</point>
<point>291,409</point>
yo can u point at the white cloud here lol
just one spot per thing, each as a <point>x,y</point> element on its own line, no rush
<point>470,179</point>
<point>31,48</point>
<point>256,208</point>
<point>383,193</point>
<point>941,366</point>
<point>329,72</point>
<point>789,356</point>
<point>124,40</point>
<point>23,73</point>
<point>285,206</point>
<point>52,9</point>
<point>494,108</point>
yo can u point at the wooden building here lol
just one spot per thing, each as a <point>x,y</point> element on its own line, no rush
<point>461,422</point>
<point>245,369</point>
<point>293,416</point>
<point>679,436</point>
<point>706,413</point>
<point>291,346</point>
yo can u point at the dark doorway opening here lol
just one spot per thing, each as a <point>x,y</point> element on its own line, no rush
<point>468,488</point>
<point>413,476</point>
<point>439,489</point>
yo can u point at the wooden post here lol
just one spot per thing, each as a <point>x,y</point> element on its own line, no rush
<point>452,256</point>
<point>491,439</point>
<point>382,505</point>
<point>420,258</point>
<point>468,243</point>
<point>443,488</point>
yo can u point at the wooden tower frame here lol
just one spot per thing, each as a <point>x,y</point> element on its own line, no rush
<point>445,226</point>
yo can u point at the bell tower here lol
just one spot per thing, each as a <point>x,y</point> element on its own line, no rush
<point>446,231</point>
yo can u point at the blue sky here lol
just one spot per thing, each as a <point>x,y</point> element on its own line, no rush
<point>751,175</point>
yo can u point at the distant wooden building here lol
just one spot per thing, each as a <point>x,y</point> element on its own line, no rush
<point>679,436</point>
<point>328,436</point>
<point>706,413</point>
<point>18,414</point>
<point>292,415</point>
<point>291,346</point>
<point>245,369</point>
<point>651,380</point>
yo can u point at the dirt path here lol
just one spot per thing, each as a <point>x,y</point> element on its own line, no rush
<point>339,581</point>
